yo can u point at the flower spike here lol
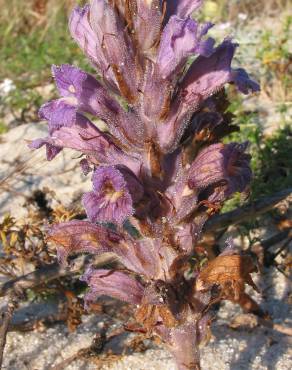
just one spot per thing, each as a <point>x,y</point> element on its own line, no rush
<point>160,169</point>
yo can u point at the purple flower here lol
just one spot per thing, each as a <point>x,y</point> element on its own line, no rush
<point>69,129</point>
<point>180,39</point>
<point>139,17</point>
<point>182,8</point>
<point>82,237</point>
<point>112,283</point>
<point>88,41</point>
<point>85,166</point>
<point>83,92</point>
<point>242,81</point>
<point>51,149</point>
<point>58,113</point>
<point>116,48</point>
<point>221,163</point>
<point>205,77</point>
<point>110,199</point>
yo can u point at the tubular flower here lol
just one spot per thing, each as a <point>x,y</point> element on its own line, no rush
<point>110,199</point>
<point>219,162</point>
<point>159,168</point>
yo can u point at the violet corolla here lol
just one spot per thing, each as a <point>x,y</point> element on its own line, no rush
<point>159,166</point>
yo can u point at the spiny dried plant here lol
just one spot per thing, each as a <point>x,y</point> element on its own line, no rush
<point>24,242</point>
<point>159,170</point>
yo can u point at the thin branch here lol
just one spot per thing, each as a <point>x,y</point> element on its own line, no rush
<point>275,239</point>
<point>7,316</point>
<point>282,248</point>
<point>50,272</point>
<point>250,320</point>
<point>247,212</point>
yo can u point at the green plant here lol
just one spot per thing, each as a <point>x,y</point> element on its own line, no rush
<point>3,128</point>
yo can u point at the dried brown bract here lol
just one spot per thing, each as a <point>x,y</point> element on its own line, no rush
<point>230,273</point>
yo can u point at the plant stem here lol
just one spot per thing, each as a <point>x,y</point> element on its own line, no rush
<point>182,343</point>
<point>12,304</point>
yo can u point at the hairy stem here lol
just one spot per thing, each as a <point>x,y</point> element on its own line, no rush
<point>182,342</point>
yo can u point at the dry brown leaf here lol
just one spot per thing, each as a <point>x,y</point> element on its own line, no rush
<point>231,273</point>
<point>285,224</point>
<point>75,310</point>
<point>244,321</point>
<point>148,315</point>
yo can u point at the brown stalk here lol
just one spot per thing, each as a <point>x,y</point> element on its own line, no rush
<point>48,273</point>
<point>12,304</point>
<point>250,211</point>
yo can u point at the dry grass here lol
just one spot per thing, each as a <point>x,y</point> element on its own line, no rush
<point>229,9</point>
<point>26,15</point>
<point>23,16</point>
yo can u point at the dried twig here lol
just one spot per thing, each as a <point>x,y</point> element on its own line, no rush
<point>277,327</point>
<point>7,316</point>
<point>250,321</point>
<point>275,239</point>
<point>248,212</point>
<point>48,273</point>
<point>37,323</point>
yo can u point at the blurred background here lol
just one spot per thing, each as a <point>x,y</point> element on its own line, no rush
<point>33,36</point>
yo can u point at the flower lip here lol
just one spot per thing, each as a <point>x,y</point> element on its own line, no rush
<point>221,165</point>
<point>110,199</point>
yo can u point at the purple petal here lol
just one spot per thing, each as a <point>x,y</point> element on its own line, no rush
<point>146,21</point>
<point>116,47</point>
<point>180,39</point>
<point>85,166</point>
<point>69,80</point>
<point>208,167</point>
<point>219,162</point>
<point>81,236</point>
<point>155,96</point>
<point>88,41</point>
<point>147,256</point>
<point>182,8</point>
<point>208,75</point>
<point>51,150</point>
<point>95,144</point>
<point>69,129</point>
<point>110,200</point>
<point>238,169</point>
<point>115,284</point>
<point>58,113</point>
<point>91,97</point>
<point>242,81</point>
<point>205,77</point>
<point>81,139</point>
